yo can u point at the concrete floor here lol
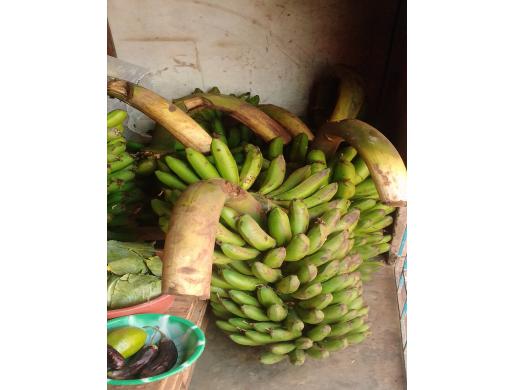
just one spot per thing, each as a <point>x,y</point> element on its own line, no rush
<point>376,364</point>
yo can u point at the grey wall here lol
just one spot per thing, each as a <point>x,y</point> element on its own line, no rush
<point>274,48</point>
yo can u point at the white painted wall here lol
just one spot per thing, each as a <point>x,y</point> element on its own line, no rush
<point>273,48</point>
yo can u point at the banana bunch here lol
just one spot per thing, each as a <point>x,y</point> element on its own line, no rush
<point>354,183</point>
<point>123,198</point>
<point>291,284</point>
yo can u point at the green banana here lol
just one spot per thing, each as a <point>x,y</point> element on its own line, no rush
<point>297,248</point>
<point>317,236</point>
<point>308,291</point>
<point>320,302</point>
<point>279,226</point>
<point>225,326</point>
<point>295,178</point>
<point>319,258</point>
<point>219,282</point>
<point>352,314</point>
<point>350,264</point>
<point>293,323</point>
<point>348,222</point>
<point>146,167</point>
<point>124,161</point>
<point>346,189</point>
<point>259,337</point>
<point>299,217</point>
<point>297,357</point>
<point>251,167</point>
<point>383,223</point>
<point>267,296</point>
<point>306,187</point>
<point>254,234</point>
<point>282,348</point>
<point>348,153</point>
<point>274,258</point>
<point>307,272</point>
<point>303,343</point>
<point>231,307</point>
<point>229,217</point>
<point>265,273</point>
<point>339,282</point>
<point>181,169</point>
<point>331,218</point>
<point>361,169</point>
<point>225,236</point>
<point>160,208</point>
<point>271,358</point>
<point>346,296</point>
<point>344,170</point>
<point>265,327</point>
<point>219,291</point>
<point>115,118</point>
<point>365,189</point>
<point>242,298</point>
<point>299,148</point>
<point>274,175</point>
<point>310,316</point>
<point>324,194</point>
<point>113,134</point>
<point>288,284</point>
<point>279,335</point>
<point>243,340</point>
<point>275,148</point>
<point>327,271</point>
<point>334,344</point>
<point>170,180</point>
<point>316,156</point>
<point>240,323</point>
<point>239,253</point>
<point>340,204</point>
<point>356,338</point>
<point>319,332</point>
<point>233,137</point>
<point>334,313</point>
<point>239,281</point>
<point>356,304</point>
<point>242,267</point>
<point>201,165</point>
<point>224,161</point>
<point>341,328</point>
<point>276,312</point>
<point>363,204</point>
<point>254,313</point>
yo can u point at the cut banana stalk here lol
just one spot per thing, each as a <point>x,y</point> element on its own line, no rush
<point>176,121</point>
<point>260,123</point>
<point>382,159</point>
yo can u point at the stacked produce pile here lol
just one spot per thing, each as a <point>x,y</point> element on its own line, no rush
<point>133,274</point>
<point>291,275</point>
<point>124,199</point>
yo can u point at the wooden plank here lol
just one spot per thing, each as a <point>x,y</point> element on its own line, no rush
<point>194,310</point>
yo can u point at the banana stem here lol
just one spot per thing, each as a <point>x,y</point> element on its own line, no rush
<point>168,115</point>
<point>260,123</point>
<point>190,241</point>
<point>383,161</point>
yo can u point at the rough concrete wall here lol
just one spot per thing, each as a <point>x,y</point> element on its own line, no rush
<point>274,48</point>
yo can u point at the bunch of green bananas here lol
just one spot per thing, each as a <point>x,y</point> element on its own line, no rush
<point>291,284</point>
<point>344,183</point>
<point>123,198</point>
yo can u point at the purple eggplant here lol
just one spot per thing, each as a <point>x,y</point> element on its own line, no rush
<point>143,357</point>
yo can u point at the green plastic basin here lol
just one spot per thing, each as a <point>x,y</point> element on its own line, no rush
<point>188,338</point>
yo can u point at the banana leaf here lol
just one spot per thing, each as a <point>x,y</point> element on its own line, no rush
<point>155,265</point>
<point>133,289</point>
<point>111,282</point>
<point>127,265</point>
<point>119,250</point>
